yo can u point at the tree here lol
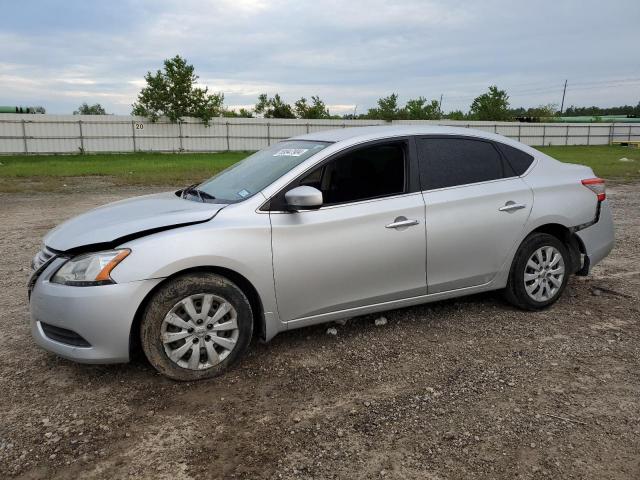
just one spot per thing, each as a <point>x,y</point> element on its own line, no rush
<point>456,115</point>
<point>86,109</point>
<point>597,111</point>
<point>173,93</point>
<point>493,105</point>
<point>543,111</point>
<point>242,113</point>
<point>420,109</point>
<point>273,107</point>
<point>317,109</point>
<point>387,109</point>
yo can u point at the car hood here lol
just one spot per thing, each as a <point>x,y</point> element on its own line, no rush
<point>121,220</point>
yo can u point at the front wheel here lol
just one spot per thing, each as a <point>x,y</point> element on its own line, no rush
<point>539,272</point>
<point>196,326</point>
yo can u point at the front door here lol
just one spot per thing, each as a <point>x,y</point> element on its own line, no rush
<point>366,245</point>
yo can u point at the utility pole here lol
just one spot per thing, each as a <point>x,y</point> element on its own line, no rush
<point>563,94</point>
<point>440,105</point>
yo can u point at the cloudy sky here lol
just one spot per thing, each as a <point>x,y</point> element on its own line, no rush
<point>59,53</point>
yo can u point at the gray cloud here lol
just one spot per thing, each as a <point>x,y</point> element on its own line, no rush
<point>60,54</point>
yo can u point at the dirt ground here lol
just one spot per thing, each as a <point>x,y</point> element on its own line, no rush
<point>459,389</point>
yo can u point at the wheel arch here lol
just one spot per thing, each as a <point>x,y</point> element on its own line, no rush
<point>566,236</point>
<point>240,280</point>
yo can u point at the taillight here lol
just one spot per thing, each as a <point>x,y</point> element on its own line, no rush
<point>596,185</point>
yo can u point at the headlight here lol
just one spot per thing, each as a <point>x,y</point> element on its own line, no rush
<point>90,269</point>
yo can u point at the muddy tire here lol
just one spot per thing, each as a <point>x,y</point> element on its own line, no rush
<point>539,272</point>
<point>196,326</point>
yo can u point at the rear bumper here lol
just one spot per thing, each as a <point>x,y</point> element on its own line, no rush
<point>101,315</point>
<point>599,238</point>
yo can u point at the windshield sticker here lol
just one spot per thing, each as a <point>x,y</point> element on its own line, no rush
<point>243,193</point>
<point>291,152</point>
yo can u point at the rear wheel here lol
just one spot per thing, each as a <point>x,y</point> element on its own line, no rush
<point>539,272</point>
<point>196,326</point>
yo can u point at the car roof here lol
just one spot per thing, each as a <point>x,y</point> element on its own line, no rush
<point>354,135</point>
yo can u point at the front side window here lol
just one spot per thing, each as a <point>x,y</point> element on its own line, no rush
<point>259,170</point>
<point>447,162</point>
<point>364,173</point>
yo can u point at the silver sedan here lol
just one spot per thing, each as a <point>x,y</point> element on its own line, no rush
<point>313,229</point>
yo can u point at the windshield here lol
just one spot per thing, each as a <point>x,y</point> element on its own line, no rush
<point>259,170</point>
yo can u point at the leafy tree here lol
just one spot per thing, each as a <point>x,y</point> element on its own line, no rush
<point>597,111</point>
<point>543,111</point>
<point>242,113</point>
<point>420,109</point>
<point>456,115</point>
<point>317,109</point>
<point>273,107</point>
<point>518,112</point>
<point>86,109</point>
<point>173,93</point>
<point>493,105</point>
<point>535,113</point>
<point>387,109</point>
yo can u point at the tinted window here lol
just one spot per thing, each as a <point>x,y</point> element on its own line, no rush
<point>365,173</point>
<point>446,162</point>
<point>519,160</point>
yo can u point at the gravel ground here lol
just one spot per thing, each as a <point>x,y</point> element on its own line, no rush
<point>459,389</point>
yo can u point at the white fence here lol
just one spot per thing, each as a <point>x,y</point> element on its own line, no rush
<point>34,134</point>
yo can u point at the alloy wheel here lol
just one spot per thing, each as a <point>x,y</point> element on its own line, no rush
<point>544,273</point>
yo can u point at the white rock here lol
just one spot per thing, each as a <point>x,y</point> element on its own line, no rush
<point>381,321</point>
<point>332,331</point>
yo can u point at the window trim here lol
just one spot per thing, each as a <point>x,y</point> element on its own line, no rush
<point>412,180</point>
<point>499,145</point>
<point>506,166</point>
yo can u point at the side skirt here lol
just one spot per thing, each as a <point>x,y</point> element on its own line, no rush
<point>392,305</point>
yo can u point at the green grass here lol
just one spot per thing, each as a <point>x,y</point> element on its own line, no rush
<point>57,172</point>
<point>51,172</point>
<point>603,159</point>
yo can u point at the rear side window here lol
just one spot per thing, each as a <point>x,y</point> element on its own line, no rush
<point>447,162</point>
<point>519,160</point>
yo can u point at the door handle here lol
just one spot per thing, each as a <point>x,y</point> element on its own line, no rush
<point>402,222</point>
<point>512,206</point>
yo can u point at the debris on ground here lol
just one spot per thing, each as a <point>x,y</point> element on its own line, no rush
<point>332,331</point>
<point>381,321</point>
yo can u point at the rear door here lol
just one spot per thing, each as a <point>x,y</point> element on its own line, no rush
<point>365,245</point>
<point>476,209</point>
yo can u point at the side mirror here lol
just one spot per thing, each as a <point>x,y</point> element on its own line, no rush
<point>303,198</point>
